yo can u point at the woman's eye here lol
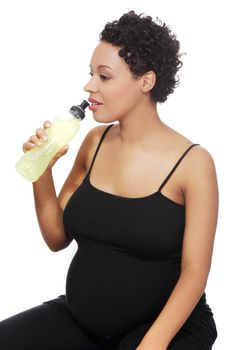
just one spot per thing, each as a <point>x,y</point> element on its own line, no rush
<point>102,77</point>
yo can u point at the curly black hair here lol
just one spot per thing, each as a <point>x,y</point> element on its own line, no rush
<point>146,45</point>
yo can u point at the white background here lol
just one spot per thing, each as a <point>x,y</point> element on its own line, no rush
<point>46,48</point>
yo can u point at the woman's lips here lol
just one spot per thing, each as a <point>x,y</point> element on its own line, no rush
<point>94,107</point>
<point>94,104</point>
<point>93,101</point>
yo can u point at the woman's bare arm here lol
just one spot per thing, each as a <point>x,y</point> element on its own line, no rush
<point>201,212</point>
<point>49,207</point>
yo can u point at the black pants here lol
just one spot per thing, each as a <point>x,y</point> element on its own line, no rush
<point>50,326</point>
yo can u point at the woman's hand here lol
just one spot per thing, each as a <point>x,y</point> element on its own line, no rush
<point>39,138</point>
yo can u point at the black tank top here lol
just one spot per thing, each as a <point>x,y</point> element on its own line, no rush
<point>129,255</point>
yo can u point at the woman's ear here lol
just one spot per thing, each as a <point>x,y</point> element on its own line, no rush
<point>148,81</point>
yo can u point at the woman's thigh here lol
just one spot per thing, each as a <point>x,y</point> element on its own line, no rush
<point>194,335</point>
<point>48,326</point>
<point>199,332</point>
<point>191,340</point>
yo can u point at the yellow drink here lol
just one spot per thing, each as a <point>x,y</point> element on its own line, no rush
<point>34,162</point>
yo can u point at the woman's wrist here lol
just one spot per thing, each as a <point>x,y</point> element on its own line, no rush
<point>47,174</point>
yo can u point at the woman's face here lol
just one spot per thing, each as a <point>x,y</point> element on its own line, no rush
<point>111,84</point>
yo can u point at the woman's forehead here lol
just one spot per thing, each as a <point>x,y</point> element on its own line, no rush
<point>106,55</point>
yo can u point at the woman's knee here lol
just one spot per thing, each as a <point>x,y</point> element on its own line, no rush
<point>19,330</point>
<point>47,326</point>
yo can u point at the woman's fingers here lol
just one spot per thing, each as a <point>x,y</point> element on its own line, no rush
<point>47,124</point>
<point>27,146</point>
<point>31,143</point>
<point>40,137</point>
<point>37,139</point>
<point>40,133</point>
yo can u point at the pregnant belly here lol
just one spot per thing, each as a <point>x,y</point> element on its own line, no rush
<point>112,293</point>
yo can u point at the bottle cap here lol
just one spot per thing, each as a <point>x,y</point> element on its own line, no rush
<point>79,110</point>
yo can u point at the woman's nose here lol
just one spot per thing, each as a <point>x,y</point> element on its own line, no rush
<point>90,86</point>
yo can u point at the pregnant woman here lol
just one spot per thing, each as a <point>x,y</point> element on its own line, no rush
<point>141,201</point>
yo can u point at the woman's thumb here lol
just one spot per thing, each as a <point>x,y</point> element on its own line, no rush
<point>63,151</point>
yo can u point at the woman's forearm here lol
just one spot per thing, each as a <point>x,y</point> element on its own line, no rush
<point>179,306</point>
<point>49,212</point>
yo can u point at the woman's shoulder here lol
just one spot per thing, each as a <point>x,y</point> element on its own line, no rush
<point>183,142</point>
<point>198,165</point>
<point>197,159</point>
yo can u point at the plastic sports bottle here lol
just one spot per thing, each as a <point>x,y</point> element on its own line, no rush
<point>35,161</point>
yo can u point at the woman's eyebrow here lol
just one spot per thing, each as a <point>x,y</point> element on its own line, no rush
<point>103,66</point>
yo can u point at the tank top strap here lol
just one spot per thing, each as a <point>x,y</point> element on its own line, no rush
<point>176,165</point>
<point>99,144</point>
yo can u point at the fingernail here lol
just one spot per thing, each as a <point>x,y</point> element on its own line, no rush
<point>45,138</point>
